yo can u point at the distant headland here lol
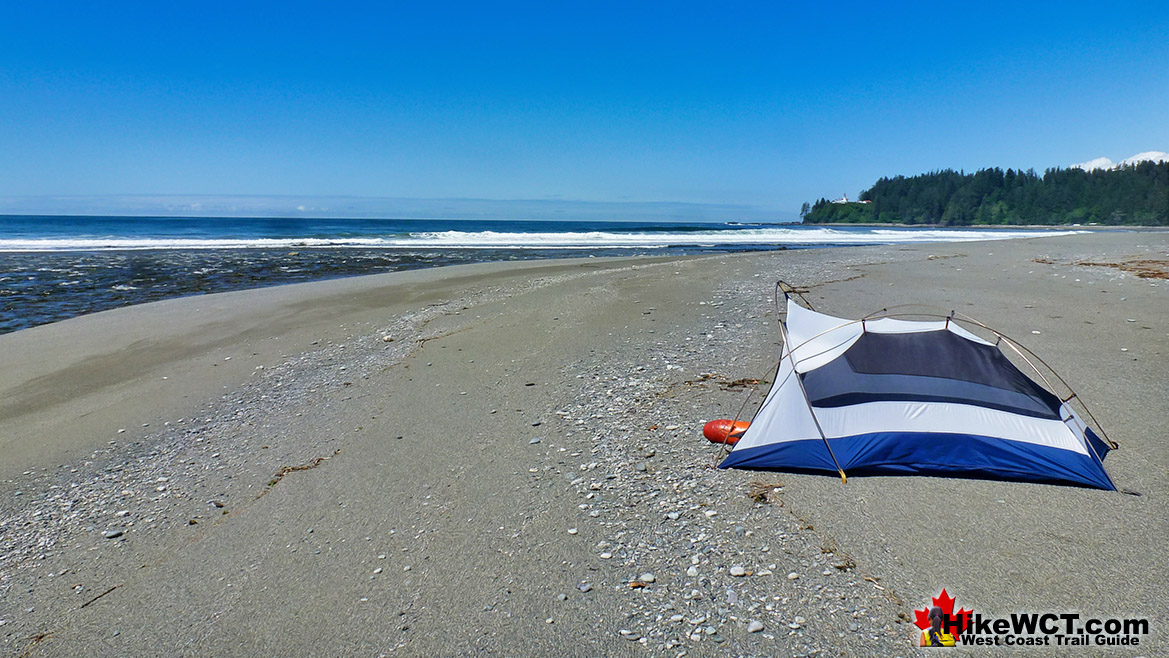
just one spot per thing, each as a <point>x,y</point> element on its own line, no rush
<point>1129,194</point>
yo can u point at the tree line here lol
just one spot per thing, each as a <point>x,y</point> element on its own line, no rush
<point>1129,195</point>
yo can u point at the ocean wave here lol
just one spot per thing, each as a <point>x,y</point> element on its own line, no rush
<point>537,240</point>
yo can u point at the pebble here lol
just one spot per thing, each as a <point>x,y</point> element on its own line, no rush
<point>533,441</point>
<point>647,578</point>
<point>755,626</point>
<point>692,571</point>
<point>606,555</point>
<point>738,571</point>
<point>572,531</point>
<point>112,534</point>
<point>793,576</point>
<point>585,587</point>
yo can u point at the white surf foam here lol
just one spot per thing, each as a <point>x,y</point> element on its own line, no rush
<point>548,240</point>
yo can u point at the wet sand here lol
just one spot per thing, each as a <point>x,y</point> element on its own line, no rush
<point>491,459</point>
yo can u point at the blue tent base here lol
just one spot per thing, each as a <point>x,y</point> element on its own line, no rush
<point>927,453</point>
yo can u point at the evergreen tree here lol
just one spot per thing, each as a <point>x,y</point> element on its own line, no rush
<point>1133,194</point>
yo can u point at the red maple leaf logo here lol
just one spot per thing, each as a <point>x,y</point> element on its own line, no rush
<point>946,603</point>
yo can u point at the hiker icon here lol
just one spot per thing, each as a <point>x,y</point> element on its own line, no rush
<point>935,636</point>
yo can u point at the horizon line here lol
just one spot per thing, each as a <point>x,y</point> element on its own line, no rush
<point>364,207</point>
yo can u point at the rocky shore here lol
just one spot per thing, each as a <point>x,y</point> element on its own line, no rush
<point>507,460</point>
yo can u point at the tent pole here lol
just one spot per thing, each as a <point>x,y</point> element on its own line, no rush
<point>1017,347</point>
<point>808,401</point>
<point>1077,425</point>
<point>788,290</point>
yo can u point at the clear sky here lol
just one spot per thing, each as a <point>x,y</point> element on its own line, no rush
<point>759,105</point>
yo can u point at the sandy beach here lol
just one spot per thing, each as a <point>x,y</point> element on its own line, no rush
<point>506,459</point>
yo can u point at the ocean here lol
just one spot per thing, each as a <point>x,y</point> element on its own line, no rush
<point>54,268</point>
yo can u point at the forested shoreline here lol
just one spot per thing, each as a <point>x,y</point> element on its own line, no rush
<point>1130,195</point>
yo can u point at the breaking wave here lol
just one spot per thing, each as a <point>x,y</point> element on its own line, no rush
<point>740,237</point>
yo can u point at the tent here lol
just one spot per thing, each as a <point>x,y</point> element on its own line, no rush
<point>886,395</point>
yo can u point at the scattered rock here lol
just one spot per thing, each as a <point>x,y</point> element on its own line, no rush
<point>672,521</point>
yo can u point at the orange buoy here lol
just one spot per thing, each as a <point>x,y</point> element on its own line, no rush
<point>725,431</point>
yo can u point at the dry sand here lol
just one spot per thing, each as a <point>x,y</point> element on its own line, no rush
<point>281,479</point>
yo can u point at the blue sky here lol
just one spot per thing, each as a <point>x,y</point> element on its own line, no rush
<point>758,106</point>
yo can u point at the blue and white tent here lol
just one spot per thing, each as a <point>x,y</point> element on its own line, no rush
<point>899,397</point>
